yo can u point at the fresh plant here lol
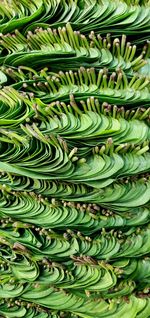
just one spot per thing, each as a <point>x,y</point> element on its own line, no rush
<point>74,159</point>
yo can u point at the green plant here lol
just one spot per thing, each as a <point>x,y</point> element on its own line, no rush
<point>74,159</point>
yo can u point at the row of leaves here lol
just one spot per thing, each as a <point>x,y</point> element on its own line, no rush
<point>87,122</point>
<point>41,209</point>
<point>137,306</point>
<point>45,157</point>
<point>88,218</point>
<point>53,46</point>
<point>74,276</point>
<point>79,274</point>
<point>45,87</point>
<point>120,196</point>
<point>106,244</point>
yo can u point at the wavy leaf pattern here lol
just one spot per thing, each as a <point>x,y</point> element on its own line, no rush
<point>74,159</point>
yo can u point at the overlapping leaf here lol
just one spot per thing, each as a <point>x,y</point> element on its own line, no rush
<point>52,47</point>
<point>74,167</point>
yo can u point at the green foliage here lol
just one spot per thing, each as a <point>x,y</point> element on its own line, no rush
<point>74,159</point>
